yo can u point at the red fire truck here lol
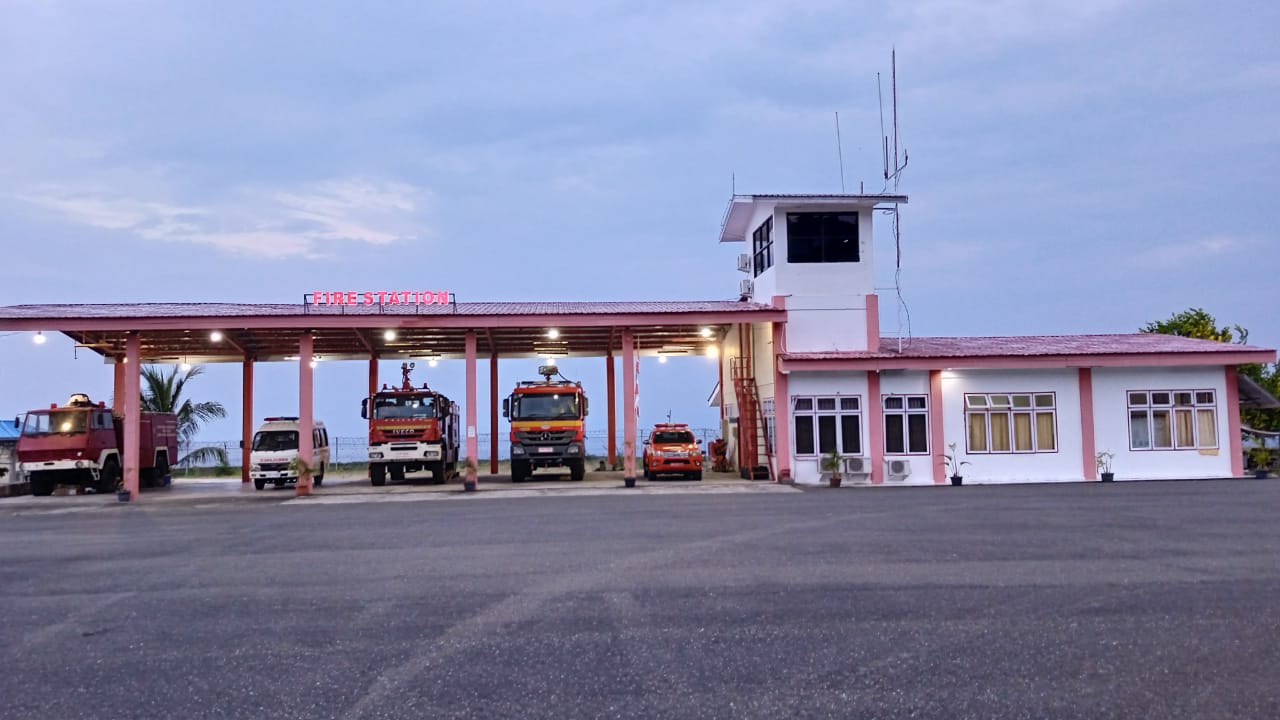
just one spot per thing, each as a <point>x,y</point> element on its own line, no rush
<point>81,444</point>
<point>548,423</point>
<point>411,429</point>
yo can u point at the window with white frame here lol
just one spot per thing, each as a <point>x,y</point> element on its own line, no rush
<point>826,424</point>
<point>1172,419</point>
<point>766,406</point>
<point>762,247</point>
<point>1011,422</point>
<point>906,424</point>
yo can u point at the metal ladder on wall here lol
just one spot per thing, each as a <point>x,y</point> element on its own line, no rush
<point>752,433</point>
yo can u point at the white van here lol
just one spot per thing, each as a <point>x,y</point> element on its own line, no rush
<point>275,446</point>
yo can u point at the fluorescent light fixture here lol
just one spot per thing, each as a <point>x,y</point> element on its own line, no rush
<point>39,339</point>
<point>216,336</point>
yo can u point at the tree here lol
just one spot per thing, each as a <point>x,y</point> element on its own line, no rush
<point>1196,323</point>
<point>162,392</point>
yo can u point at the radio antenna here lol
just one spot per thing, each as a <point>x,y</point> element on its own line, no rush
<point>884,139</point>
<point>840,152</point>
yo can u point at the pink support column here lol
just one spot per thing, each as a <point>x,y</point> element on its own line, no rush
<point>938,441</point>
<point>1233,422</point>
<point>117,390</point>
<point>873,323</point>
<point>473,447</point>
<point>493,412</point>
<point>611,397</point>
<point>132,411</point>
<point>306,444</point>
<point>629,409</point>
<point>1088,443</point>
<point>246,417</point>
<point>781,401</point>
<point>875,426</point>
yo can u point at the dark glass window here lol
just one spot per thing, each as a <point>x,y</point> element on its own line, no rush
<point>762,247</point>
<point>919,433</point>
<point>894,440</point>
<point>851,434</point>
<point>826,433</point>
<point>822,237</point>
<point>804,434</point>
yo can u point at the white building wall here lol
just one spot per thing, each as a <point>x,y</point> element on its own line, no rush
<point>1065,464</point>
<point>1111,420</point>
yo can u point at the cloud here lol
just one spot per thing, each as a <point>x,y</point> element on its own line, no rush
<point>266,222</point>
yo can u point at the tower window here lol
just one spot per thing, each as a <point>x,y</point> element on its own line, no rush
<point>762,247</point>
<point>822,237</point>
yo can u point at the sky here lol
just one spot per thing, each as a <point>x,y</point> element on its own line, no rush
<point>1075,165</point>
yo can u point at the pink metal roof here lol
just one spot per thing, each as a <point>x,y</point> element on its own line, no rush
<point>1046,349</point>
<point>485,309</point>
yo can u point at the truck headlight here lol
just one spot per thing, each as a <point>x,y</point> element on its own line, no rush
<point>80,464</point>
<point>574,449</point>
<point>375,456</point>
<point>517,450</point>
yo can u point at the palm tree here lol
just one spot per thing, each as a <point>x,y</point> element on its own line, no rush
<point>162,392</point>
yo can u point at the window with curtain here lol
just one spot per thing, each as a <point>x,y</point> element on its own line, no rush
<point>1011,422</point>
<point>1172,419</point>
<point>906,424</point>
<point>824,424</point>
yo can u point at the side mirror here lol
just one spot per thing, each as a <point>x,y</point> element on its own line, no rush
<point>364,408</point>
<point>646,441</point>
<point>506,407</point>
<point>586,406</point>
<point>241,444</point>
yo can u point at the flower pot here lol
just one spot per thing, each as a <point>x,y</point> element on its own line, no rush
<point>629,482</point>
<point>834,481</point>
<point>957,479</point>
<point>1108,477</point>
<point>1260,473</point>
<point>123,495</point>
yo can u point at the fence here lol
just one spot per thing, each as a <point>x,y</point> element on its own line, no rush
<point>355,449</point>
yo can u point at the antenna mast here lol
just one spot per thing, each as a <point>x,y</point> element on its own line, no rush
<point>840,152</point>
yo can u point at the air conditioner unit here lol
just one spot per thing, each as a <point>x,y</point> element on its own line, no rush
<point>747,288</point>
<point>744,263</point>
<point>857,467</point>
<point>897,469</point>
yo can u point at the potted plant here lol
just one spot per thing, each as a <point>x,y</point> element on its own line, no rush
<point>467,468</point>
<point>830,465</point>
<point>1260,458</point>
<point>629,453</point>
<point>1103,459</point>
<point>954,463</point>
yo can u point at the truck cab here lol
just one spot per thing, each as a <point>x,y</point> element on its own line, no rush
<point>411,429</point>
<point>275,449</point>
<point>548,422</point>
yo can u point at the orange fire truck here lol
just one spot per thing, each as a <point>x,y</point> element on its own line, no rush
<point>410,429</point>
<point>548,425</point>
<point>671,449</point>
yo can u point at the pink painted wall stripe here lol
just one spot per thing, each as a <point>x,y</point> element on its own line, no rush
<point>1088,443</point>
<point>1233,422</point>
<point>936,427</point>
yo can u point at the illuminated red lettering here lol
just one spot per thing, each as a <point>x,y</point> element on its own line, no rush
<point>442,297</point>
<point>382,296</point>
<point>368,298</point>
<point>428,298</point>
<point>393,298</point>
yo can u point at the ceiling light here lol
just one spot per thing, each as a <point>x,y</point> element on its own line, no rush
<point>433,362</point>
<point>553,333</point>
<point>216,336</point>
<point>662,358</point>
<point>389,335</point>
<point>313,363</point>
<point>705,332</point>
<point>39,339</point>
<point>713,351</point>
<point>184,366</point>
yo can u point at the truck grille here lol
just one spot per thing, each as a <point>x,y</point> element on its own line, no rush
<point>552,437</point>
<point>273,467</point>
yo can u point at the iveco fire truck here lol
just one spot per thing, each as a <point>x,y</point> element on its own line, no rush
<point>547,425</point>
<point>411,429</point>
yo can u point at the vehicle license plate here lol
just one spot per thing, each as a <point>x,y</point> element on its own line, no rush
<point>546,449</point>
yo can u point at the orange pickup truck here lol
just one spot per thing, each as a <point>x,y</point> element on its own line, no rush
<point>672,450</point>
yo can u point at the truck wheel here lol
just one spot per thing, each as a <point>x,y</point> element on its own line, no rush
<point>42,483</point>
<point>439,474</point>
<point>647,475</point>
<point>696,475</point>
<point>318,480</point>
<point>378,474</point>
<point>260,484</point>
<point>397,473</point>
<point>109,478</point>
<point>162,471</point>
<point>519,471</point>
<point>578,469</point>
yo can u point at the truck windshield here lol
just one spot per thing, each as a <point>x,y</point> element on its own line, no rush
<point>405,407</point>
<point>545,406</point>
<point>56,421</point>
<point>673,436</point>
<point>275,440</point>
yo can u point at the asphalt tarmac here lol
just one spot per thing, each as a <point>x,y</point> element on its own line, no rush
<point>1125,600</point>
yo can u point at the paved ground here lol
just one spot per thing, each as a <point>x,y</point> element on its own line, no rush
<point>1157,600</point>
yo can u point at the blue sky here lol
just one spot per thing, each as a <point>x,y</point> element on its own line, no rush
<point>1076,166</point>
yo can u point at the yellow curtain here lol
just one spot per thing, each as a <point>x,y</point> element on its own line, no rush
<point>1045,439</point>
<point>1185,425</point>
<point>1207,428</point>
<point>999,432</point>
<point>977,432</point>
<point>1022,432</point>
<point>1161,431</point>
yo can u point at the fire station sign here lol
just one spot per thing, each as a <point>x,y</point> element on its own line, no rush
<point>380,297</point>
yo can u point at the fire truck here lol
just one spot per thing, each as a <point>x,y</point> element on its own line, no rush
<point>80,444</point>
<point>411,429</point>
<point>548,422</point>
